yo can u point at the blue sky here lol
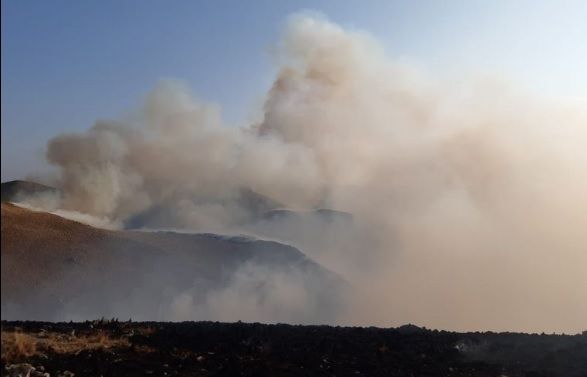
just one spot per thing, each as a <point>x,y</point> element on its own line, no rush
<point>67,63</point>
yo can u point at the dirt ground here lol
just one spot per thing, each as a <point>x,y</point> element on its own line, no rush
<point>112,348</point>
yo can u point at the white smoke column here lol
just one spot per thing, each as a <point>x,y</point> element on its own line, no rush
<point>469,201</point>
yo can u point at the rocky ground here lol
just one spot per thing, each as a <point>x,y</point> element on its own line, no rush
<point>112,348</point>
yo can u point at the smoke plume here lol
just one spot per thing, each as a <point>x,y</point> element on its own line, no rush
<point>468,201</point>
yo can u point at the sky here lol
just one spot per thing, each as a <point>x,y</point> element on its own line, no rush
<point>66,64</point>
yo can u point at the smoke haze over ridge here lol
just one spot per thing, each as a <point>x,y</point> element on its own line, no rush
<point>469,201</point>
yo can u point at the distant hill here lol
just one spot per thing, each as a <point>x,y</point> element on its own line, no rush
<point>321,214</point>
<point>54,268</point>
<point>312,230</point>
<point>18,190</point>
<point>246,206</point>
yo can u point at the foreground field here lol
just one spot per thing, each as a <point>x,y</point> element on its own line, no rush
<point>111,348</point>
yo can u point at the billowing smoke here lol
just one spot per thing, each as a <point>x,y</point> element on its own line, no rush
<point>468,201</point>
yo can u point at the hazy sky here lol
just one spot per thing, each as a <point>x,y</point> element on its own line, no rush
<point>67,63</point>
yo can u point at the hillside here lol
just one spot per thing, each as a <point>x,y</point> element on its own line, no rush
<point>18,190</point>
<point>54,268</point>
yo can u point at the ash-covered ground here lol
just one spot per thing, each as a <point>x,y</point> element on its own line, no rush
<point>112,348</point>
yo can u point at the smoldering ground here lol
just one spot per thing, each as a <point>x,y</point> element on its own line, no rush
<point>468,201</point>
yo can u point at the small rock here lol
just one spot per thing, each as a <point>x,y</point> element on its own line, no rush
<point>19,370</point>
<point>25,370</point>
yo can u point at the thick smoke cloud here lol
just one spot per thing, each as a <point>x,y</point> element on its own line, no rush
<point>469,201</point>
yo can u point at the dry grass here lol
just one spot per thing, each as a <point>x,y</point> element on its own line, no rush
<point>18,346</point>
<point>23,345</point>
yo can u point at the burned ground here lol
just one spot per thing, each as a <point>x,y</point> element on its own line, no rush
<point>111,348</point>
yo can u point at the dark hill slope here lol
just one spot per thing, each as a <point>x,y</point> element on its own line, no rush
<point>17,190</point>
